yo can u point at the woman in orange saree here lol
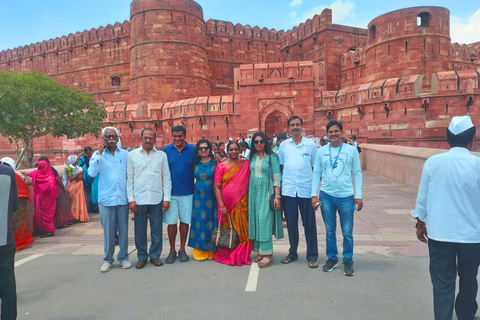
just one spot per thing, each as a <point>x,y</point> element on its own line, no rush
<point>231,191</point>
<point>23,236</point>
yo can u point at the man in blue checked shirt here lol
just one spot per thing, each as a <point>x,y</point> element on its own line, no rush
<point>110,162</point>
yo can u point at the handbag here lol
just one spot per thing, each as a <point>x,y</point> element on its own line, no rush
<point>271,199</point>
<point>225,238</point>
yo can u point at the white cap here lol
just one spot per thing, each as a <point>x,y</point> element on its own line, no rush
<point>8,161</point>
<point>460,124</point>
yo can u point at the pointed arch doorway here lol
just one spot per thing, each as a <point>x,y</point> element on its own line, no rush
<point>275,123</point>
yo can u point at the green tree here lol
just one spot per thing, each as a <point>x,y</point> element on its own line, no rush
<point>32,105</point>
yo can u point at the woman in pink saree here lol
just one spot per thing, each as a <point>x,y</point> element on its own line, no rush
<point>231,191</point>
<point>45,192</point>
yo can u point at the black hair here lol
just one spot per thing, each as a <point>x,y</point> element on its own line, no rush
<point>294,118</point>
<point>282,136</point>
<point>335,123</point>
<point>197,157</point>
<point>152,130</point>
<point>179,128</point>
<point>86,149</point>
<point>44,158</point>
<point>244,144</point>
<point>354,137</point>
<point>220,143</point>
<point>462,139</point>
<point>268,149</point>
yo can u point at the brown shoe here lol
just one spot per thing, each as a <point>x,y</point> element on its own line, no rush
<point>156,262</point>
<point>140,264</point>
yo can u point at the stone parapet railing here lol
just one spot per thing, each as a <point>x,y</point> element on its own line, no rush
<point>398,163</point>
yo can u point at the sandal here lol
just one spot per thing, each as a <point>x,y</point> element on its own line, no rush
<point>313,264</point>
<point>267,261</point>
<point>258,258</point>
<point>288,259</point>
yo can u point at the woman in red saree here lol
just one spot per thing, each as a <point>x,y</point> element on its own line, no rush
<point>231,191</point>
<point>45,192</point>
<point>23,236</point>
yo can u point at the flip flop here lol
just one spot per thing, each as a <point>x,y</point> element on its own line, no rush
<point>313,264</point>
<point>258,258</point>
<point>288,259</point>
<point>267,261</point>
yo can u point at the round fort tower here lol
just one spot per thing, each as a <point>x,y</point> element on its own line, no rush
<point>407,42</point>
<point>168,59</point>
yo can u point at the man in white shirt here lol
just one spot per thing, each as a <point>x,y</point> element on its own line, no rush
<point>448,207</point>
<point>335,165</point>
<point>149,190</point>
<point>297,156</point>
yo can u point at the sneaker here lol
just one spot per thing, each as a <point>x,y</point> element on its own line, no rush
<point>330,265</point>
<point>182,256</point>
<point>106,266</point>
<point>172,256</point>
<point>126,264</point>
<point>348,269</point>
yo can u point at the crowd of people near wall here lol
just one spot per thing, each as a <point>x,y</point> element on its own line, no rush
<point>244,187</point>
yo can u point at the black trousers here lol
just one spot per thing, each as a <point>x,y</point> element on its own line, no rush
<point>446,259</point>
<point>291,206</point>
<point>8,290</point>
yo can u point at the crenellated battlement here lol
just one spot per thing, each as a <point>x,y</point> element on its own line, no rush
<point>80,39</point>
<point>228,29</point>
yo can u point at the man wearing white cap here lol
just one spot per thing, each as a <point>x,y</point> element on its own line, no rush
<point>448,208</point>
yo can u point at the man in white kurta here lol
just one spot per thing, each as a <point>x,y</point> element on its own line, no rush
<point>448,211</point>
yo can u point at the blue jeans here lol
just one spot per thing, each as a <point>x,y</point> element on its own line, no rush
<point>152,212</point>
<point>114,218</point>
<point>344,206</point>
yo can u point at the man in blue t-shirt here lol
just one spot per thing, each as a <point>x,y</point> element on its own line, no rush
<point>335,164</point>
<point>180,160</point>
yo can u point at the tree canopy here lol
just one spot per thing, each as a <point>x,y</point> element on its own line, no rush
<point>33,105</point>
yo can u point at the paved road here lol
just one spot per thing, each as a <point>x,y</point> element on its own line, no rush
<point>59,277</point>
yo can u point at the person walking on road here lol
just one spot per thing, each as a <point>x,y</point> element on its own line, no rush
<point>447,212</point>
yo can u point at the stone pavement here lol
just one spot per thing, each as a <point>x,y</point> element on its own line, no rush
<point>384,228</point>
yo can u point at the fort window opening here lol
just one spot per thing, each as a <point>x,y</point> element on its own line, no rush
<point>373,32</point>
<point>115,81</point>
<point>423,19</point>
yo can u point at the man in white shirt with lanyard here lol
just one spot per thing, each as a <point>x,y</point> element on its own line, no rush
<point>335,164</point>
<point>149,189</point>
<point>296,157</point>
<point>448,208</point>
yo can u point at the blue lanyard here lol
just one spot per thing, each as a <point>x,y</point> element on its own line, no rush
<point>334,164</point>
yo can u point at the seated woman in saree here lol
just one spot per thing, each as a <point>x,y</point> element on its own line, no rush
<point>45,192</point>
<point>73,180</point>
<point>23,236</point>
<point>264,182</point>
<point>204,215</point>
<point>231,191</point>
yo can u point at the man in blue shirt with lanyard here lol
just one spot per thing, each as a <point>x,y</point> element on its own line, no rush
<point>334,166</point>
<point>448,204</point>
<point>296,157</point>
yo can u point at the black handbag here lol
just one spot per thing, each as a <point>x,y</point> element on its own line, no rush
<point>225,238</point>
<point>271,199</point>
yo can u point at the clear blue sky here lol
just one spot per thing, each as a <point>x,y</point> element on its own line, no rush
<point>28,21</point>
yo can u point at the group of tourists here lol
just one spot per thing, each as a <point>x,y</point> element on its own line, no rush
<point>230,189</point>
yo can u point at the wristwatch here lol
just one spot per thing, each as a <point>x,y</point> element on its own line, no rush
<point>278,196</point>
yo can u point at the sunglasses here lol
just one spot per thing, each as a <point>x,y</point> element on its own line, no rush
<point>203,148</point>
<point>259,141</point>
<point>111,136</point>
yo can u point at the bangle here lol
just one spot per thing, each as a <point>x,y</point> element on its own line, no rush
<point>420,224</point>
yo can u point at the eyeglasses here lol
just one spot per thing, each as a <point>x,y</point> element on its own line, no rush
<point>295,124</point>
<point>259,141</point>
<point>178,136</point>
<point>111,136</point>
<point>148,138</point>
<point>203,148</point>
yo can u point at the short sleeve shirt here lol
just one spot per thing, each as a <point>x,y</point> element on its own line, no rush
<point>181,168</point>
